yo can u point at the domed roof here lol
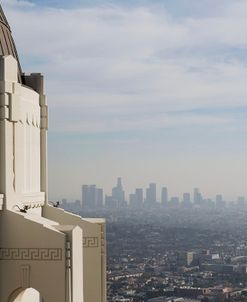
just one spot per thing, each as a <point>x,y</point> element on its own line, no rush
<point>7,44</point>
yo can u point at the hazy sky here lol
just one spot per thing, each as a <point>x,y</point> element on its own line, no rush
<point>151,90</point>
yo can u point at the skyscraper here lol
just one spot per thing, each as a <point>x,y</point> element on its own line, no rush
<point>89,195</point>
<point>92,197</point>
<point>186,199</point>
<point>164,196</point>
<point>197,197</point>
<point>118,194</point>
<point>132,200</point>
<point>139,197</point>
<point>100,198</point>
<point>219,201</point>
<point>84,196</point>
<point>136,199</point>
<point>110,203</point>
<point>151,194</point>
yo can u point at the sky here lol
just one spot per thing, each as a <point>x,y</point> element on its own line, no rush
<point>152,91</point>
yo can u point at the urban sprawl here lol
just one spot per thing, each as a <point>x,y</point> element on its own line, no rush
<point>176,250</point>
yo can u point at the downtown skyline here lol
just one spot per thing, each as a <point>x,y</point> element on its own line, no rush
<point>95,195</point>
<point>155,90</point>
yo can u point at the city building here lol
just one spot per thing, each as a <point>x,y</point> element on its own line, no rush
<point>132,200</point>
<point>139,197</point>
<point>136,199</point>
<point>151,195</point>
<point>186,199</point>
<point>219,202</point>
<point>100,198</point>
<point>92,197</point>
<point>164,196</point>
<point>197,197</point>
<point>118,194</point>
<point>110,203</point>
<point>46,254</point>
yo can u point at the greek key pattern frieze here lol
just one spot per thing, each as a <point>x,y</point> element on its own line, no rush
<point>90,242</point>
<point>31,254</point>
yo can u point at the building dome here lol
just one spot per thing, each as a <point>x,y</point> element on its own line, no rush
<point>7,44</point>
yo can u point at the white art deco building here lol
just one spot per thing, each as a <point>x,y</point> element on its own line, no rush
<point>46,254</point>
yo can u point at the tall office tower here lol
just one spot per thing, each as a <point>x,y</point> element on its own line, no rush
<point>164,196</point>
<point>46,253</point>
<point>209,202</point>
<point>186,199</point>
<point>219,201</point>
<point>219,198</point>
<point>100,198</point>
<point>118,193</point>
<point>139,197</point>
<point>136,199</point>
<point>84,196</point>
<point>151,194</point>
<point>197,197</point>
<point>110,203</point>
<point>132,200</point>
<point>119,182</point>
<point>92,197</point>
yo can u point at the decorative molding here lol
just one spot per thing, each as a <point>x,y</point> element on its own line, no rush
<point>33,200</point>
<point>43,113</point>
<point>14,108</point>
<point>6,87</point>
<point>103,239</point>
<point>32,254</point>
<point>68,254</point>
<point>4,106</point>
<point>25,276</point>
<point>90,242</point>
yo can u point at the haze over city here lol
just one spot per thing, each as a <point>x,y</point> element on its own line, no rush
<point>149,90</point>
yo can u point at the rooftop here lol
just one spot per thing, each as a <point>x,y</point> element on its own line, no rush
<point>7,44</point>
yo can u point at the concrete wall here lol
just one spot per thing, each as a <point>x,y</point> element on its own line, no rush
<point>74,261</point>
<point>94,254</point>
<point>44,248</point>
<point>20,139</point>
<point>41,254</point>
<point>31,255</point>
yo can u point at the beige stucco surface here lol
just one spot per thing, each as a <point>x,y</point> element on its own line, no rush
<point>94,251</point>
<point>60,255</point>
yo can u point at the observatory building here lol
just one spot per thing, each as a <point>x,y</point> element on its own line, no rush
<point>46,254</point>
